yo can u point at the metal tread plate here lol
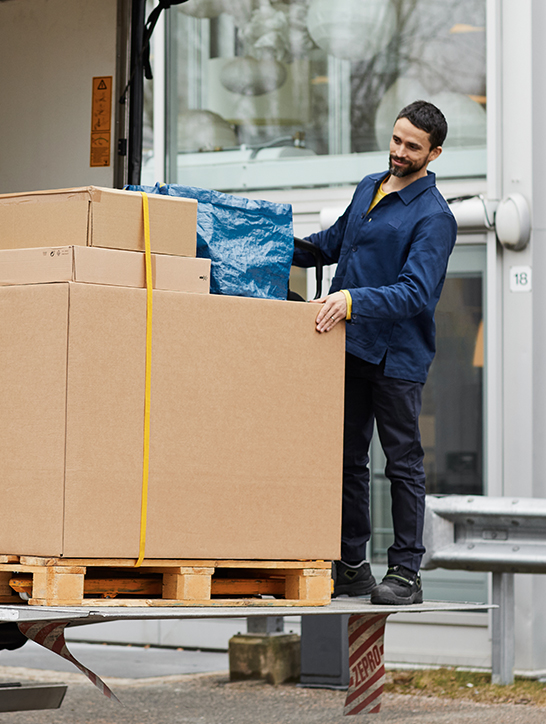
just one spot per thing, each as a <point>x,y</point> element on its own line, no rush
<point>81,615</point>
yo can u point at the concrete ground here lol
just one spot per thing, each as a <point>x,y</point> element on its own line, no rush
<point>164,686</point>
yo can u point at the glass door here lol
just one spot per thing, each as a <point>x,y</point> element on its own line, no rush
<point>451,421</point>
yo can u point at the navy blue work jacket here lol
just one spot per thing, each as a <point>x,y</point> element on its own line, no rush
<point>393,262</point>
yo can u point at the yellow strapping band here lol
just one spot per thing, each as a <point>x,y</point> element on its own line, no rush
<point>148,380</point>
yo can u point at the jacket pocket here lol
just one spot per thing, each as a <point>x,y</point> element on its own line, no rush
<point>395,223</point>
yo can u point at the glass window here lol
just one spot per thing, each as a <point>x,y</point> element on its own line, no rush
<point>451,418</point>
<point>266,81</point>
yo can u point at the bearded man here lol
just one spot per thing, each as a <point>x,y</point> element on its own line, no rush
<point>391,247</point>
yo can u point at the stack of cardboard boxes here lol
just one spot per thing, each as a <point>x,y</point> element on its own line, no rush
<point>246,398</point>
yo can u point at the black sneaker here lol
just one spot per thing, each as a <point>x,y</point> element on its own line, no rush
<point>400,586</point>
<point>352,581</point>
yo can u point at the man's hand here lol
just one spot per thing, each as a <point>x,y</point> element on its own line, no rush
<point>332,311</point>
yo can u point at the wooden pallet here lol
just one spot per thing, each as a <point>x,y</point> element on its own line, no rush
<point>116,582</point>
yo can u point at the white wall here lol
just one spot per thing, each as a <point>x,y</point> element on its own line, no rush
<point>537,584</point>
<point>50,50</point>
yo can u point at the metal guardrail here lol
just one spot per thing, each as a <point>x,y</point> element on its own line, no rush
<point>501,535</point>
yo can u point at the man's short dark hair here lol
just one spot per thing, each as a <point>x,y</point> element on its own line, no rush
<point>427,117</point>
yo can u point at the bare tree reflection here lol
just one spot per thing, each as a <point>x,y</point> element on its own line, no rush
<point>439,43</point>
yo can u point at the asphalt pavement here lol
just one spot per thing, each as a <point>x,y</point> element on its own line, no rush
<point>166,686</point>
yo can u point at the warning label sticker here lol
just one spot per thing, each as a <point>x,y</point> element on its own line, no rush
<point>101,119</point>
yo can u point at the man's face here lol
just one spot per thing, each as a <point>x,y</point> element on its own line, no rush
<point>410,150</point>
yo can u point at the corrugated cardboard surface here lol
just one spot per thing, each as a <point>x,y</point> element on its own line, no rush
<point>92,216</point>
<point>257,453</point>
<point>246,427</point>
<point>103,266</point>
<point>105,414</point>
<point>33,344</point>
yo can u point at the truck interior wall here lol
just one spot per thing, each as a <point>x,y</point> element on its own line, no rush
<point>50,50</point>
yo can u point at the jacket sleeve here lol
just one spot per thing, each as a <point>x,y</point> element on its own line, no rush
<point>422,273</point>
<point>328,241</point>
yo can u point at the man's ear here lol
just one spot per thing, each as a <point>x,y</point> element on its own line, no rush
<point>435,152</point>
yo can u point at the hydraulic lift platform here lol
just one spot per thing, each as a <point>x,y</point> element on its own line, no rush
<point>82,615</point>
<point>46,625</point>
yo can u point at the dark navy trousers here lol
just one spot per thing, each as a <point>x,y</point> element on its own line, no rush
<point>395,406</point>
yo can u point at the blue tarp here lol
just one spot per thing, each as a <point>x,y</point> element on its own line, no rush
<point>250,242</point>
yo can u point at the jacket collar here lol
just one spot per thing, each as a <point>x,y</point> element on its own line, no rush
<point>410,192</point>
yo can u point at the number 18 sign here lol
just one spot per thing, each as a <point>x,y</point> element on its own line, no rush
<point>521,278</point>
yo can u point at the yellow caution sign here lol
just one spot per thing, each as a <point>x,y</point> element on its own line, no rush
<point>101,115</point>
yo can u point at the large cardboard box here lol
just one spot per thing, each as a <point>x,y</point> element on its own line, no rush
<point>93,265</point>
<point>93,216</point>
<point>246,425</point>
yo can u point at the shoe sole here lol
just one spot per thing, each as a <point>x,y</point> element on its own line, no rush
<point>389,598</point>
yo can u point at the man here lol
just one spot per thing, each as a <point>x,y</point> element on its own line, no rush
<point>391,247</point>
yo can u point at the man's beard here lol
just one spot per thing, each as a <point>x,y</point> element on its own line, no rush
<point>405,170</point>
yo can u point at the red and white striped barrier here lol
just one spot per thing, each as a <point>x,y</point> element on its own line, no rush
<point>366,663</point>
<point>366,659</point>
<point>50,635</point>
